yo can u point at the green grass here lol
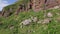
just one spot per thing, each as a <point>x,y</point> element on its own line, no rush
<point>51,28</point>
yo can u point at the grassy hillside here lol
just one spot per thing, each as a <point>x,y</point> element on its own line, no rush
<point>11,24</point>
<point>14,8</point>
<point>15,5</point>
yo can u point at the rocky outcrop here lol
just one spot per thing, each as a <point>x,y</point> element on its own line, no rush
<point>38,5</point>
<point>21,8</point>
<point>7,13</point>
<point>35,5</point>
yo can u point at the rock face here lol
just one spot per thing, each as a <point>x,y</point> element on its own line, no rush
<point>51,3</point>
<point>23,7</point>
<point>35,5</point>
<point>43,4</point>
<point>38,5</point>
<point>6,13</point>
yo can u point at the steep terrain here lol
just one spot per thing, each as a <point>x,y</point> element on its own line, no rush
<point>42,23</point>
<point>26,5</point>
<point>20,18</point>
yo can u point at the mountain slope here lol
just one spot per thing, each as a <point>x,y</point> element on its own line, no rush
<point>29,22</point>
<point>12,24</point>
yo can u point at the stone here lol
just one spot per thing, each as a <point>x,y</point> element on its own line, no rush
<point>56,7</point>
<point>37,5</point>
<point>34,19</point>
<point>26,22</point>
<point>46,21</point>
<point>49,14</point>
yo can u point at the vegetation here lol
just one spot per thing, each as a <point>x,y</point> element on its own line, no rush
<point>15,6</point>
<point>11,24</point>
<point>34,28</point>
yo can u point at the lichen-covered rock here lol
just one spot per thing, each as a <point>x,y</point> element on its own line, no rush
<point>49,14</point>
<point>26,22</point>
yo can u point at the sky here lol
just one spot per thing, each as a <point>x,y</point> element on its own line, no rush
<point>4,3</point>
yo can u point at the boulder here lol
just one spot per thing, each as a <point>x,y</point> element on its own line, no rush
<point>26,22</point>
<point>38,5</point>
